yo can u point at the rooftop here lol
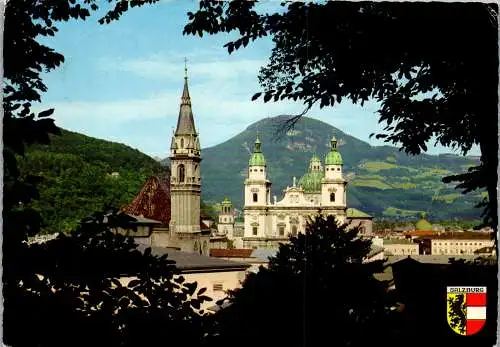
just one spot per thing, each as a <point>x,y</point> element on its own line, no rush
<point>398,242</point>
<point>231,252</point>
<point>355,213</point>
<point>264,253</point>
<point>463,235</point>
<point>430,259</point>
<point>153,201</point>
<point>194,262</point>
<point>374,250</point>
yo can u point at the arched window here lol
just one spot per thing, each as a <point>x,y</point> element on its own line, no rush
<point>182,173</point>
<point>182,143</point>
<point>254,197</point>
<point>332,197</point>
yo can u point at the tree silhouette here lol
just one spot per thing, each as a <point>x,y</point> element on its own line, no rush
<point>316,289</point>
<point>433,75</point>
<point>68,291</point>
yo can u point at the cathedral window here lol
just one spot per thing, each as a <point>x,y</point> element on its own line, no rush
<point>332,197</point>
<point>254,197</point>
<point>281,230</point>
<point>294,230</point>
<point>254,231</point>
<point>182,143</point>
<point>182,173</point>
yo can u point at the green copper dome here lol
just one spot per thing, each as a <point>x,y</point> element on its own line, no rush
<point>422,224</point>
<point>257,158</point>
<point>333,157</point>
<point>311,182</point>
<point>226,201</point>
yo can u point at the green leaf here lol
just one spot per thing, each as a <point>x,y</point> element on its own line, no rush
<point>46,113</point>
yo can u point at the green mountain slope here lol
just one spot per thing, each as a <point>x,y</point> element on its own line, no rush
<point>77,177</point>
<point>383,181</point>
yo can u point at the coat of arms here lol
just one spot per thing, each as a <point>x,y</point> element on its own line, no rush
<point>466,309</point>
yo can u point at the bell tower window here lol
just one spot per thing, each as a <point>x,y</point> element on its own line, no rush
<point>182,143</point>
<point>182,173</point>
<point>254,197</point>
<point>332,197</point>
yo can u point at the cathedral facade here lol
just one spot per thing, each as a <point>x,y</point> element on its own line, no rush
<point>322,190</point>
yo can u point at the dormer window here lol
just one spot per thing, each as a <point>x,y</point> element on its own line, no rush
<point>182,143</point>
<point>332,197</point>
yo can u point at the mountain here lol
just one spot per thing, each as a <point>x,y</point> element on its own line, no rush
<point>383,181</point>
<point>82,175</point>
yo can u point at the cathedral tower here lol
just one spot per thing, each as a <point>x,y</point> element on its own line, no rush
<point>185,181</point>
<point>226,219</point>
<point>333,192</point>
<point>257,193</point>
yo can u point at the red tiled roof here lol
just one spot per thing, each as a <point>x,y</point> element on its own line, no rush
<point>153,201</point>
<point>231,252</point>
<point>465,235</point>
<point>421,233</point>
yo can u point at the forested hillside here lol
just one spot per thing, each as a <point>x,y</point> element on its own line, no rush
<point>82,175</point>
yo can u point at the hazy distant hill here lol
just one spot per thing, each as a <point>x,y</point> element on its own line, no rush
<point>383,180</point>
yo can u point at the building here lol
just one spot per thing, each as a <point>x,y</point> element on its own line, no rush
<point>175,201</point>
<point>400,247</point>
<point>216,275</point>
<point>245,255</point>
<point>322,190</point>
<point>457,243</point>
<point>226,219</point>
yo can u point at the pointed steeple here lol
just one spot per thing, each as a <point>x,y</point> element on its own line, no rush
<point>185,122</point>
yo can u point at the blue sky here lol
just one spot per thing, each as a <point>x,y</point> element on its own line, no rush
<point>123,81</point>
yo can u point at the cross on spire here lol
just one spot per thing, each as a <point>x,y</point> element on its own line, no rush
<point>185,68</point>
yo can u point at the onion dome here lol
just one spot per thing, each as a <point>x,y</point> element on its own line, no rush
<point>257,158</point>
<point>311,181</point>
<point>423,225</point>
<point>333,157</point>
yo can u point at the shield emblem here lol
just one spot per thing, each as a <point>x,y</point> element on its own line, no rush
<point>466,309</point>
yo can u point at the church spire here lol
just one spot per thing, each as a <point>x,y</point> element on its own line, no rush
<point>185,122</point>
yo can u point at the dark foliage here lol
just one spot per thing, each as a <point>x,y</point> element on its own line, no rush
<point>315,289</point>
<point>68,291</point>
<point>434,75</point>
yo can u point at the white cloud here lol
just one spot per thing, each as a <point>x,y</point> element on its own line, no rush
<point>171,67</point>
<point>220,92</point>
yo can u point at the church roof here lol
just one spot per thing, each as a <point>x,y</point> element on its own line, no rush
<point>185,122</point>
<point>153,201</point>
